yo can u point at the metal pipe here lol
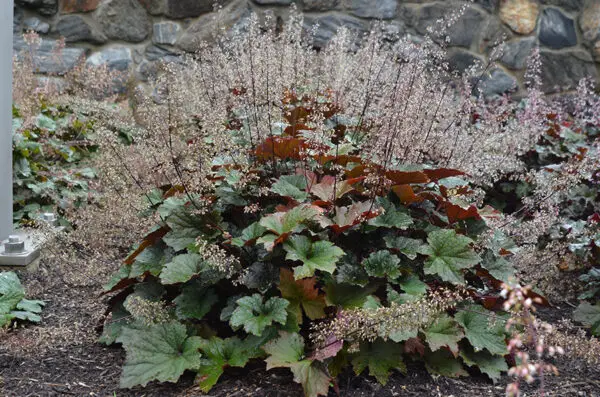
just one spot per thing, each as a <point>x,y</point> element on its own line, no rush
<point>6,56</point>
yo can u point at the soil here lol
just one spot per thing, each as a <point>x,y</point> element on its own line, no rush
<point>61,357</point>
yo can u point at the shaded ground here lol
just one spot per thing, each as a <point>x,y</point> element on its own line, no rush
<point>60,357</point>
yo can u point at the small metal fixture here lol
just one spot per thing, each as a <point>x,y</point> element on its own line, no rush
<point>14,245</point>
<point>50,218</point>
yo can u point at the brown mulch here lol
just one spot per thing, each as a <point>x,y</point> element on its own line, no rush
<point>60,357</point>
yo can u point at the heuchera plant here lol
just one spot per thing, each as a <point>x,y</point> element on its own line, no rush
<point>51,170</point>
<point>570,139</point>
<point>13,305</point>
<point>316,210</point>
<point>319,232</point>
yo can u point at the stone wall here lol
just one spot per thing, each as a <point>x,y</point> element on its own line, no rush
<point>135,34</point>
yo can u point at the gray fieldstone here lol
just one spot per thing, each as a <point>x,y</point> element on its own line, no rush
<point>165,33</point>
<point>493,33</point>
<point>496,83</point>
<point>76,28</point>
<point>179,9</point>
<point>45,59</point>
<point>567,5</point>
<point>565,69</point>
<point>204,29</point>
<point>44,7</point>
<point>146,70</point>
<point>330,24</point>
<point>124,20</point>
<point>516,52</point>
<point>380,9</point>
<point>589,21</point>
<point>463,33</point>
<point>36,25</point>
<point>156,53</point>
<point>319,5</point>
<point>489,5</point>
<point>556,29</point>
<point>460,60</point>
<point>116,58</point>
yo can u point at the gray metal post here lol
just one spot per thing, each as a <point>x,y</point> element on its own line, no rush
<point>6,55</point>
<point>17,248</point>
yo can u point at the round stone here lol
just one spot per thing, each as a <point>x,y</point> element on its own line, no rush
<point>519,15</point>
<point>125,20</point>
<point>564,70</point>
<point>165,32</point>
<point>381,9</point>
<point>515,53</point>
<point>496,83</point>
<point>556,29</point>
<point>116,58</point>
<point>589,21</point>
<point>76,28</point>
<point>319,5</point>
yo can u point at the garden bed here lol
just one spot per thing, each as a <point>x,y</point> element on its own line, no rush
<point>61,357</point>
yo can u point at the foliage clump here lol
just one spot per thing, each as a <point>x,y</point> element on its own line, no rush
<point>311,209</point>
<point>51,163</point>
<point>555,206</point>
<point>13,305</point>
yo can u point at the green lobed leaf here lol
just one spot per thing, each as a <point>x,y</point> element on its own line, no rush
<point>588,315</point>
<point>491,365</point>
<point>182,268</point>
<point>151,260</point>
<point>255,316</point>
<point>159,352</point>
<point>119,318</point>
<point>32,306</point>
<point>443,332</point>
<point>407,246</point>
<point>187,227</point>
<point>195,301</point>
<point>381,357</point>
<point>288,351</point>
<point>260,276</point>
<point>449,253</point>
<point>391,217</point>
<point>302,294</point>
<point>442,362</point>
<point>290,221</point>
<point>350,271</point>
<point>249,234</point>
<point>347,296</point>
<point>498,267</point>
<point>381,264</point>
<point>481,330</point>
<point>292,186</point>
<point>11,292</point>
<point>320,255</point>
<point>219,354</point>
<point>13,304</point>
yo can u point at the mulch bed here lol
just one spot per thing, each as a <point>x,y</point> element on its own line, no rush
<point>60,357</point>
